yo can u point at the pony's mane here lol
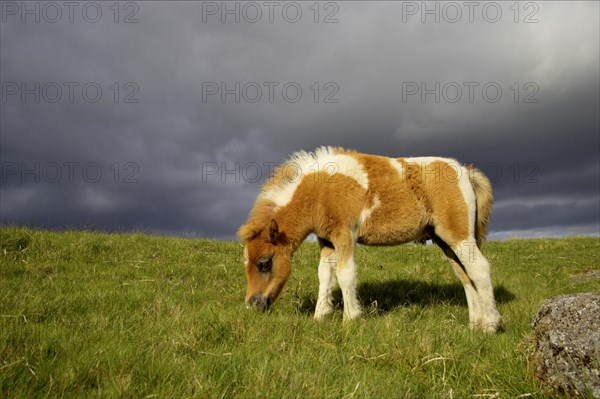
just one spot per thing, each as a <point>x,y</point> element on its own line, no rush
<point>265,206</point>
<point>281,174</point>
<point>321,152</point>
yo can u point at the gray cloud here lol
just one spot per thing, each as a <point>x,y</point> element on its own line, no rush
<point>175,159</point>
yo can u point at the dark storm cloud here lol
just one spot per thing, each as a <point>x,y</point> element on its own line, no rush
<point>159,152</point>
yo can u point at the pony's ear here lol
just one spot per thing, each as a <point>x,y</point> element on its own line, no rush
<point>273,231</point>
<point>246,233</point>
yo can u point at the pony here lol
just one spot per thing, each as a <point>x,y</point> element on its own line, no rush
<point>347,198</point>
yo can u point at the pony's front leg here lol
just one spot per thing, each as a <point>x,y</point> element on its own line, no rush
<point>346,274</point>
<point>326,282</point>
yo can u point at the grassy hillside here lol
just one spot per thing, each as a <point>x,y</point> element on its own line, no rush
<point>120,315</point>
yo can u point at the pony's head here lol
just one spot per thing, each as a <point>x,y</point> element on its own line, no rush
<point>268,262</point>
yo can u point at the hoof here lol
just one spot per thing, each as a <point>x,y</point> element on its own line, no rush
<point>323,309</point>
<point>492,326</point>
<point>349,316</point>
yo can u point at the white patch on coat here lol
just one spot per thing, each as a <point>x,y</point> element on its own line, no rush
<point>464,183</point>
<point>246,256</point>
<point>398,166</point>
<point>303,164</point>
<point>366,212</point>
<point>424,161</point>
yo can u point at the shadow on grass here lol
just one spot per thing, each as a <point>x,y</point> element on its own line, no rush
<point>388,295</point>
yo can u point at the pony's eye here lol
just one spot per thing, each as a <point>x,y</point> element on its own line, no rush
<point>264,264</point>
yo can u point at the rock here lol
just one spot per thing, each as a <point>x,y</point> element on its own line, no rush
<point>586,276</point>
<point>564,347</point>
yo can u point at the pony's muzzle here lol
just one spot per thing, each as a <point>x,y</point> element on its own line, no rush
<point>259,302</point>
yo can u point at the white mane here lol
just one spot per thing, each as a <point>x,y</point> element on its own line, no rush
<point>303,163</point>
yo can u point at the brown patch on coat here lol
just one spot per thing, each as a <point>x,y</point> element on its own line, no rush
<point>450,213</point>
<point>424,194</point>
<point>403,211</point>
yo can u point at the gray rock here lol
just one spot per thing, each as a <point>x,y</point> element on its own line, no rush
<point>586,276</point>
<point>564,347</point>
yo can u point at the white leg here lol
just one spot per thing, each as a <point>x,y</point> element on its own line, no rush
<point>478,269</point>
<point>470,293</point>
<point>326,283</point>
<point>346,274</point>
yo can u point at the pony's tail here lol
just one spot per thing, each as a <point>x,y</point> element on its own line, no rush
<point>485,198</point>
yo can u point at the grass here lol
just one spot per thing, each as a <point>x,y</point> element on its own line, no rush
<point>127,315</point>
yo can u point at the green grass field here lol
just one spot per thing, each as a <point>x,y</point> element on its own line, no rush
<point>128,315</point>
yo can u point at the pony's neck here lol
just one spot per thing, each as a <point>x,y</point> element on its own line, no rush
<point>296,225</point>
<point>295,231</point>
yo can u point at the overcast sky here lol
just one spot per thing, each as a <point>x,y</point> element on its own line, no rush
<point>166,117</point>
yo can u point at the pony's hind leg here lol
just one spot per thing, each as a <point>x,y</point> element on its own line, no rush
<point>475,313</point>
<point>477,269</point>
<point>327,280</point>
